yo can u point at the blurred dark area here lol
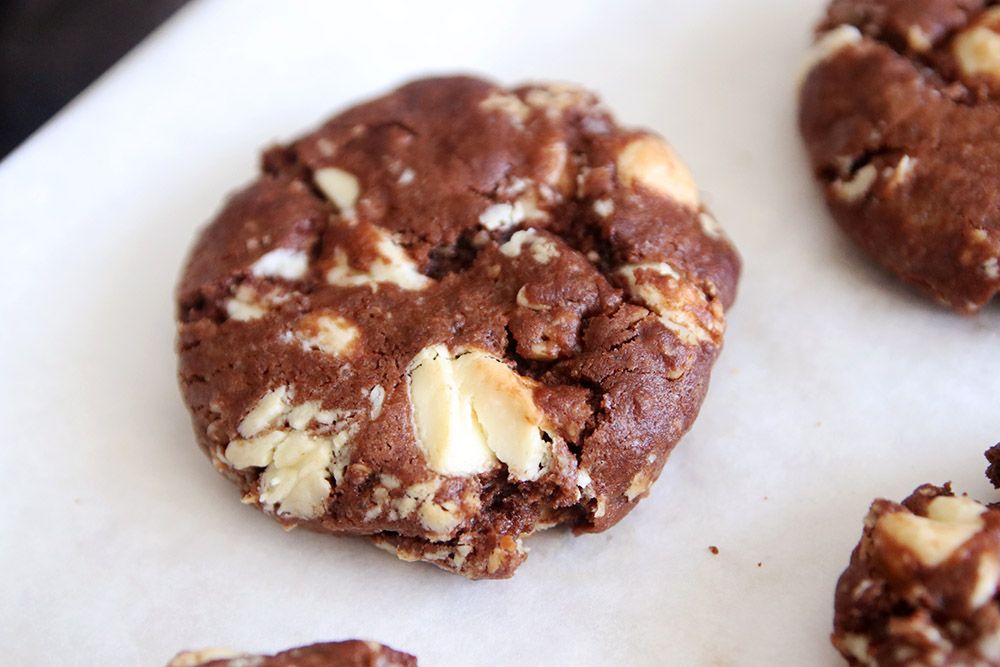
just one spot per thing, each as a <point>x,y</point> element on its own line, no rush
<point>50,50</point>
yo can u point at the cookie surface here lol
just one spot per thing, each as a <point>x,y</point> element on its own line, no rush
<point>921,588</point>
<point>899,109</point>
<point>453,316</point>
<point>352,653</point>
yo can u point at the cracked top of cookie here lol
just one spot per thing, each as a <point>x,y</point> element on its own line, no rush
<point>900,106</point>
<point>452,316</point>
<point>921,588</point>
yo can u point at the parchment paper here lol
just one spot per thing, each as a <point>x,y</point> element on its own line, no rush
<point>119,544</point>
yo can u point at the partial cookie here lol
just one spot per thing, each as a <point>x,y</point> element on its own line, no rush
<point>921,588</point>
<point>453,316</point>
<point>993,470</point>
<point>352,653</point>
<point>899,108</point>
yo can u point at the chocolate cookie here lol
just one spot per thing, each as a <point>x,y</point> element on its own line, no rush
<point>453,316</point>
<point>921,588</point>
<point>899,108</point>
<point>352,653</point>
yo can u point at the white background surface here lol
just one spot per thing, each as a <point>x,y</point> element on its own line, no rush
<point>119,544</point>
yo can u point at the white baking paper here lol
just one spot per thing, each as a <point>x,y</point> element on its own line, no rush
<point>119,543</point>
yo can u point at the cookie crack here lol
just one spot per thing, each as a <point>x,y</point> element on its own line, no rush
<point>532,368</point>
<point>831,173</point>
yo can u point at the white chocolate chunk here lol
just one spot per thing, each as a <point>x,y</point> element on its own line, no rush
<point>445,425</point>
<point>326,147</point>
<point>253,452</point>
<point>903,171</point>
<point>339,186</point>
<point>857,647</point>
<point>956,509</point>
<point>545,350</point>
<point>461,552</point>
<point>300,416</point>
<point>989,647</point>
<point>297,483</point>
<point>853,190</point>
<point>399,552</point>
<point>508,104</point>
<point>710,225</point>
<point>438,554</point>
<point>495,560</point>
<point>298,478</point>
<point>918,39</point>
<point>987,580</point>
<point>515,186</point>
<point>639,485</point>
<point>244,312</point>
<point>407,504</point>
<point>244,306</point>
<point>977,48</point>
<point>602,507</point>
<point>380,496</point>
<point>604,207</point>
<point>502,216</point>
<point>542,249</point>
<point>555,98</point>
<point>674,300</point>
<point>297,463</point>
<point>527,208</point>
<point>327,332</point>
<point>522,300</point>
<point>393,265</point>
<point>329,417</point>
<point>377,397</point>
<point>950,523</point>
<point>282,263</point>
<point>662,268</point>
<point>649,161</point>
<point>554,157</point>
<point>439,519</point>
<point>828,46</point>
<point>503,405</point>
<point>273,405</point>
<point>991,268</point>
<point>472,410</point>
